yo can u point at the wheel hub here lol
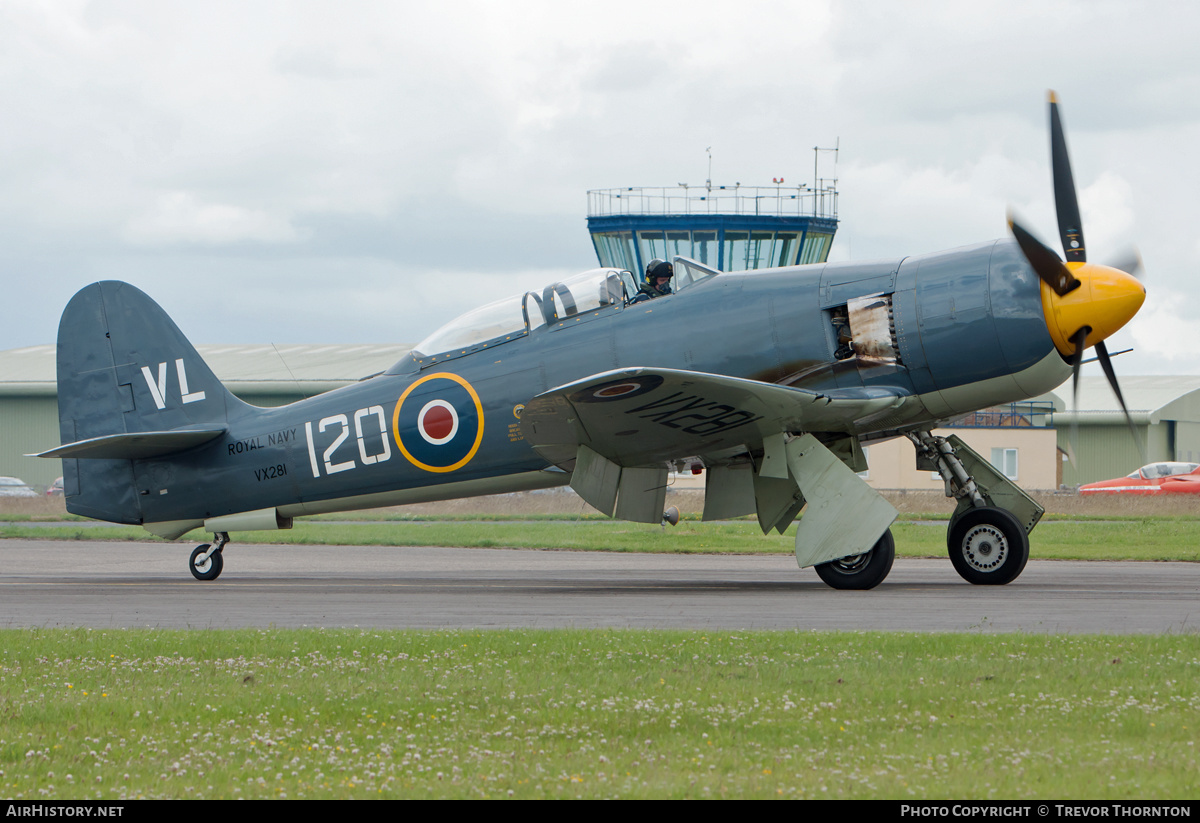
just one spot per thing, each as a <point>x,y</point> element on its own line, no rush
<point>985,548</point>
<point>853,563</point>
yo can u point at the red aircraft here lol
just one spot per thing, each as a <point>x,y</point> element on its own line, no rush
<point>1156,478</point>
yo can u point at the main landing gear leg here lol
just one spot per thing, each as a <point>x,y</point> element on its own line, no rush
<point>988,543</point>
<point>206,562</point>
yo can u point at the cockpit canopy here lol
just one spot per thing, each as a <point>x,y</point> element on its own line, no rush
<point>1156,471</point>
<point>589,293</point>
<point>501,320</point>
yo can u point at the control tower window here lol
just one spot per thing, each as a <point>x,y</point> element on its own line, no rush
<point>652,244</point>
<point>615,249</point>
<point>816,247</point>
<point>757,249</point>
<point>786,244</point>
<point>679,244</point>
<point>667,245</point>
<point>758,252</point>
<point>736,243</point>
<point>704,247</point>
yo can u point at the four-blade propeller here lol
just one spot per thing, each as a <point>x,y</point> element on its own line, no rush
<point>1083,302</point>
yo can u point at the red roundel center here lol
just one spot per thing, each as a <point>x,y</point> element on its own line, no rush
<point>438,422</point>
<point>617,390</point>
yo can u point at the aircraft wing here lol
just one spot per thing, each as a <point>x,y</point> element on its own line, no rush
<point>616,431</point>
<point>647,416</point>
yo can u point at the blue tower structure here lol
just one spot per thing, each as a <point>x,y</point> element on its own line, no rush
<point>732,228</point>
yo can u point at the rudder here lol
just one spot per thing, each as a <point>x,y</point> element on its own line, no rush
<point>125,367</point>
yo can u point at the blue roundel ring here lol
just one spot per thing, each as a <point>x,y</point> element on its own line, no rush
<point>622,389</point>
<point>438,422</point>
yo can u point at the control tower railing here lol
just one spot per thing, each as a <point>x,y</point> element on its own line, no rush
<point>783,201</point>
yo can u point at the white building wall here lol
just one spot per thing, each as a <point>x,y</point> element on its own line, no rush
<point>892,463</point>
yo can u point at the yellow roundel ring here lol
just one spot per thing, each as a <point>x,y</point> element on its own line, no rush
<point>478,435</point>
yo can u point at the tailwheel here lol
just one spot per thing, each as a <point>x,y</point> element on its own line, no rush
<point>207,560</point>
<point>988,546</point>
<point>861,571</point>
<point>206,567</point>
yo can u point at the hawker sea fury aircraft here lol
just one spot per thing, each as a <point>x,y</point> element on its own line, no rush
<point>771,380</point>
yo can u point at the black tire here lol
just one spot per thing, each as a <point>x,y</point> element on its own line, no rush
<point>209,569</point>
<point>988,546</point>
<point>862,571</point>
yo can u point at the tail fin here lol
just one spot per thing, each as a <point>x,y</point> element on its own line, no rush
<point>125,368</point>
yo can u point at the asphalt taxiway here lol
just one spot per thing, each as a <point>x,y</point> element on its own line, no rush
<point>120,585</point>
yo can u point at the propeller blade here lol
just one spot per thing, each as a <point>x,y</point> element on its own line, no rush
<point>1078,339</point>
<point>1044,261</point>
<point>1130,262</point>
<point>1070,225</point>
<point>1106,364</point>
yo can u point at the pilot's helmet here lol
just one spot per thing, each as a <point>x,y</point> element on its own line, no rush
<point>658,268</point>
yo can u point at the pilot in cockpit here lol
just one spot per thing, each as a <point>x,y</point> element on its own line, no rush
<point>658,281</point>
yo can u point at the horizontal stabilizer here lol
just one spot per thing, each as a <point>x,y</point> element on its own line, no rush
<point>135,446</point>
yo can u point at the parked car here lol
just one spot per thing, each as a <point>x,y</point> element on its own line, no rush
<point>1156,478</point>
<point>56,489</point>
<point>15,487</point>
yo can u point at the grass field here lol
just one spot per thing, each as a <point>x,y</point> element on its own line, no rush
<point>533,714</point>
<point>115,714</point>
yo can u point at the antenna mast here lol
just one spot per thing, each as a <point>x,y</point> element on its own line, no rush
<point>818,189</point>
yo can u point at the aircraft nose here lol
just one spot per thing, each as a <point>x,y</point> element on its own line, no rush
<point>1106,300</point>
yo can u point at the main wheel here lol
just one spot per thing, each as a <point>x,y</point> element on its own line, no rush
<point>988,546</point>
<point>209,569</point>
<point>861,571</point>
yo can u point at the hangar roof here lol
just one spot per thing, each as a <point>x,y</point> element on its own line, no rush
<point>1154,397</point>
<point>266,365</point>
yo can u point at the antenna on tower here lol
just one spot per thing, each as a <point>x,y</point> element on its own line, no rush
<point>819,190</point>
<point>708,182</point>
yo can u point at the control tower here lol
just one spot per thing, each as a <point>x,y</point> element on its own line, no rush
<point>732,228</point>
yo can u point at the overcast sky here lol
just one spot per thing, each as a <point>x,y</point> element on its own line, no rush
<point>349,172</point>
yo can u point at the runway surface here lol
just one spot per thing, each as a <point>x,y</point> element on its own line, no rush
<point>119,585</point>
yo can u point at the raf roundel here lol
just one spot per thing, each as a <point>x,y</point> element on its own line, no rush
<point>618,389</point>
<point>438,422</point>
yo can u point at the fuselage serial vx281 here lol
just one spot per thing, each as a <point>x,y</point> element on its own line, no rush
<point>770,379</point>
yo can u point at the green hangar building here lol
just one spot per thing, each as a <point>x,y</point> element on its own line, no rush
<point>1166,420</point>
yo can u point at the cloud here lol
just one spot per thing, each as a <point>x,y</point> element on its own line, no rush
<point>319,153</point>
<point>1163,329</point>
<point>179,217</point>
<point>1107,209</point>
